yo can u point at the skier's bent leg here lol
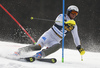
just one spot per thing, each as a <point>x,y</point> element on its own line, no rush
<point>29,48</point>
<point>48,51</point>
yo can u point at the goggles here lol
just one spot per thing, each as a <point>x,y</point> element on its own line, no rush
<point>74,12</point>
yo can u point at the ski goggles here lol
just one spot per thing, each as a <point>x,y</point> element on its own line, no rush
<point>74,12</point>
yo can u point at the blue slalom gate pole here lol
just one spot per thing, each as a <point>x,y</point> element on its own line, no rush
<point>63,32</point>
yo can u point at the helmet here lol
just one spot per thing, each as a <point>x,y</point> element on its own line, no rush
<point>72,7</point>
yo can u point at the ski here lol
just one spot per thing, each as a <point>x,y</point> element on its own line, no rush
<point>49,60</point>
<point>32,59</point>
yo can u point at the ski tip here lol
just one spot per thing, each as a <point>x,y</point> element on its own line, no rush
<point>49,60</point>
<point>53,60</point>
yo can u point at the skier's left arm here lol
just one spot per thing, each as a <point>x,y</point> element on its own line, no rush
<point>77,40</point>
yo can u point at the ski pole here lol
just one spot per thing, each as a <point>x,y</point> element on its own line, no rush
<point>44,19</point>
<point>18,24</point>
<point>81,57</point>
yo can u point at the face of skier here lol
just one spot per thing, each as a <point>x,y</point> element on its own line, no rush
<point>73,14</point>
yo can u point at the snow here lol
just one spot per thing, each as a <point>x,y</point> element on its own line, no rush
<point>72,58</point>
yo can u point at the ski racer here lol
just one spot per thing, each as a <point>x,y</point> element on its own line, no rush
<point>52,37</point>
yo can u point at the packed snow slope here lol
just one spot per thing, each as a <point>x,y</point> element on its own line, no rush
<point>72,58</point>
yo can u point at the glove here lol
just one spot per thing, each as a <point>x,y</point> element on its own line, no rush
<point>71,23</point>
<point>81,50</point>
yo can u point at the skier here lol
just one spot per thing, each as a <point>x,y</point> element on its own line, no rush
<point>52,37</point>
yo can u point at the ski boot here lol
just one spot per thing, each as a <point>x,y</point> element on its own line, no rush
<point>38,55</point>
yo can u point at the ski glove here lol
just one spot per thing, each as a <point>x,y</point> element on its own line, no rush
<point>81,50</point>
<point>70,23</point>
